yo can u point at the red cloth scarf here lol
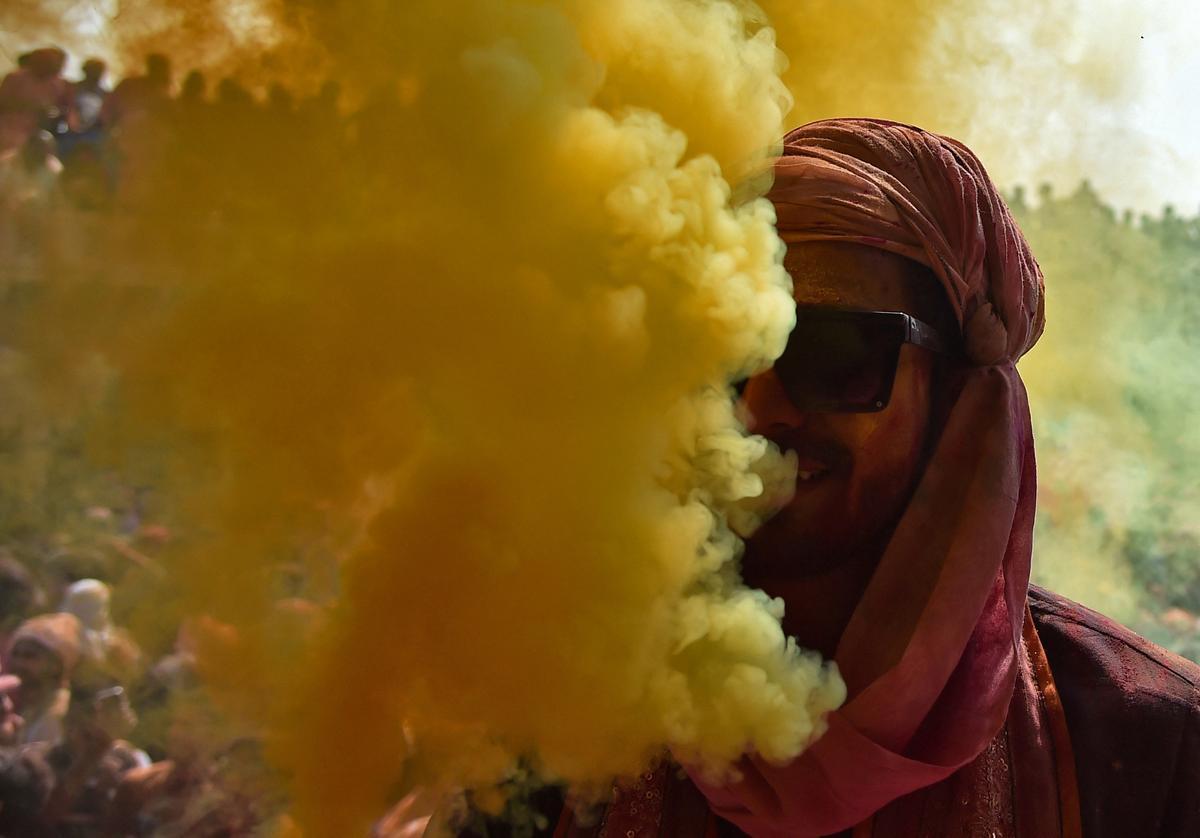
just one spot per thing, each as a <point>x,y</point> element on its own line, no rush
<point>1022,785</point>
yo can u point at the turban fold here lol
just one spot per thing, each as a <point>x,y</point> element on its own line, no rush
<point>934,649</point>
<point>928,198</point>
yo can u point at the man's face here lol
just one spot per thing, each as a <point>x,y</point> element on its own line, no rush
<point>856,470</point>
<point>34,664</point>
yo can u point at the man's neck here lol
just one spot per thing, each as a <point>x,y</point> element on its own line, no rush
<point>818,606</point>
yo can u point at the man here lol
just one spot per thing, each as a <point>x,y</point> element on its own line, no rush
<point>976,704</point>
<point>89,94</point>
<point>194,90</point>
<point>137,119</point>
<point>137,95</point>
<point>25,782</point>
<point>202,789</point>
<point>29,180</point>
<point>44,652</point>
<point>105,648</point>
<point>31,96</point>
<point>90,762</point>
<point>87,101</point>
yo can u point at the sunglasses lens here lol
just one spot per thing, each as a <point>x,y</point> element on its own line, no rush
<point>840,364</point>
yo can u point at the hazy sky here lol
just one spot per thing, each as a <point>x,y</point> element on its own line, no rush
<point>1163,110</point>
<point>1170,110</point>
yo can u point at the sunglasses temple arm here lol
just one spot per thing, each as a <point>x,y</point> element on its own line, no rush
<point>922,334</point>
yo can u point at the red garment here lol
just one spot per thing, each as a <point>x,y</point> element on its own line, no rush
<point>1133,710</point>
<point>930,655</point>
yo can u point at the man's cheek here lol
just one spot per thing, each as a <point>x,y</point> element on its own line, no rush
<point>887,465</point>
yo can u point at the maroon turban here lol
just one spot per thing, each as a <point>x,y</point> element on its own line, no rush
<point>925,197</point>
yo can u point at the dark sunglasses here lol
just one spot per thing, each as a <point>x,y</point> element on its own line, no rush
<point>844,361</point>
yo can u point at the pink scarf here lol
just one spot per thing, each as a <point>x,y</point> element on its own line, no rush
<point>932,653</point>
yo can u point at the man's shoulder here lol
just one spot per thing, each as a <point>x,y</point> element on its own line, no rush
<point>1084,643</point>
<point>1133,711</point>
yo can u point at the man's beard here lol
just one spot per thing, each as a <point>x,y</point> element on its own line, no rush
<point>831,521</point>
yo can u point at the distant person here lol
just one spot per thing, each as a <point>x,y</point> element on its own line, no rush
<point>194,90</point>
<point>29,180</point>
<point>85,133</point>
<point>171,676</point>
<point>10,722</point>
<point>30,194</point>
<point>280,102</point>
<point>25,784</point>
<point>91,761</point>
<point>44,653</point>
<point>138,95</point>
<point>232,96</point>
<point>325,105</point>
<point>194,120</point>
<point>87,97</point>
<point>198,791</point>
<point>31,97</point>
<point>20,597</point>
<point>320,116</point>
<point>104,647</point>
<point>137,116</point>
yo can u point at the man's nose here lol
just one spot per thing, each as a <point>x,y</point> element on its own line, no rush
<point>771,410</point>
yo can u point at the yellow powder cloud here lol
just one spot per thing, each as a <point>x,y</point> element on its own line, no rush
<point>478,340</point>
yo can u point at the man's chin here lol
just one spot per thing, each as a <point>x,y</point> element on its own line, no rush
<point>778,549</point>
<point>797,545</point>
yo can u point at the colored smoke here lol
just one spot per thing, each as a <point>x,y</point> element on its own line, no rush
<point>480,349</point>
